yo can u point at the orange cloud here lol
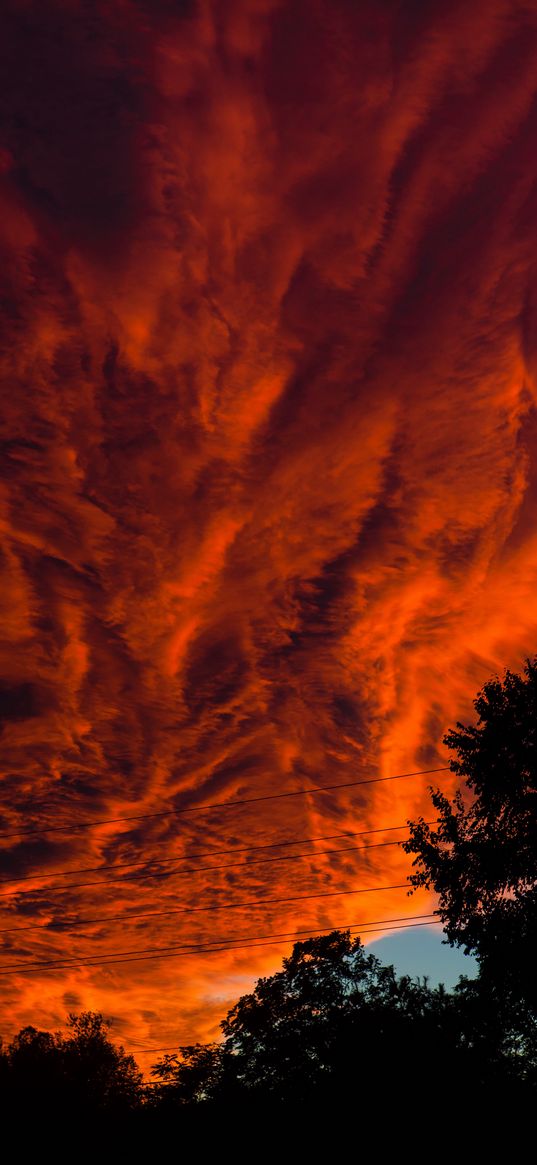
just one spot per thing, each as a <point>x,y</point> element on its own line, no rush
<point>268,487</point>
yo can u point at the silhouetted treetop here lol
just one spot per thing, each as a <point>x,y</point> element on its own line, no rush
<point>83,1071</point>
<point>481,857</point>
<point>330,1025</point>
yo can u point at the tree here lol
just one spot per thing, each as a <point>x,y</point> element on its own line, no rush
<point>333,1026</point>
<point>101,1075</point>
<point>80,1073</point>
<point>481,855</point>
<point>190,1077</point>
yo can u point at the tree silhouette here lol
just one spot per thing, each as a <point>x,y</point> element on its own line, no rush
<point>335,1024</point>
<point>481,856</point>
<point>81,1073</point>
<point>192,1076</point>
<point>101,1075</point>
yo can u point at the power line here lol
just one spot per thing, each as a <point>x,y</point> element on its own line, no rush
<point>196,909</point>
<point>348,849</point>
<point>204,854</point>
<point>223,804</point>
<point>146,1051</point>
<point>207,943</point>
<point>218,946</point>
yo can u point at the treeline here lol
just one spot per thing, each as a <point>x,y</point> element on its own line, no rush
<point>333,1028</point>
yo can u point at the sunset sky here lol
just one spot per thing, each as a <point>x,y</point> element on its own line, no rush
<point>268,488</point>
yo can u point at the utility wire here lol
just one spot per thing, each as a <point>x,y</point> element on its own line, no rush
<point>206,943</point>
<point>204,808</point>
<point>147,1051</point>
<point>204,854</point>
<point>177,951</point>
<point>347,849</point>
<point>65,926</point>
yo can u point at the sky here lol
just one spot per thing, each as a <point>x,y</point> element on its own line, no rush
<point>268,478</point>
<point>424,952</point>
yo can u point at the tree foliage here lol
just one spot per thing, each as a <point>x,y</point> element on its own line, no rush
<point>481,856</point>
<point>81,1072</point>
<point>335,1024</point>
